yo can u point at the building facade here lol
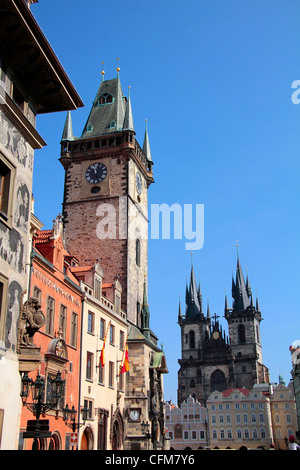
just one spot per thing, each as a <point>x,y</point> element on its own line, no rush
<point>59,298</point>
<point>102,386</point>
<point>211,360</point>
<point>32,81</point>
<point>284,414</point>
<point>187,425</point>
<point>240,418</point>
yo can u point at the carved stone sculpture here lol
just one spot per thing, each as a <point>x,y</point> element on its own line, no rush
<point>31,320</point>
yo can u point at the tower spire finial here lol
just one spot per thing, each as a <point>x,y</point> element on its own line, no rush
<point>102,71</point>
<point>118,68</point>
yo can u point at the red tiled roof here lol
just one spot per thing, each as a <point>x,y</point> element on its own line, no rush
<point>42,236</point>
<point>80,269</point>
<point>107,284</point>
<point>228,392</point>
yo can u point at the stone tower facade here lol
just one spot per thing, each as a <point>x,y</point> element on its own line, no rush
<point>107,175</point>
<point>210,359</point>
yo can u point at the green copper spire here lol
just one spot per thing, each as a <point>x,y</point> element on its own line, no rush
<point>68,129</point>
<point>146,146</point>
<point>128,119</point>
<point>145,312</point>
<point>108,110</point>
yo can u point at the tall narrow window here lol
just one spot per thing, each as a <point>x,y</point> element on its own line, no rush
<point>138,252</point>
<point>241,334</point>
<point>7,172</point>
<point>111,375</point>
<point>74,329</point>
<point>50,315</point>
<point>89,366</point>
<point>3,305</point>
<point>90,322</point>
<point>63,320</point>
<point>112,334</point>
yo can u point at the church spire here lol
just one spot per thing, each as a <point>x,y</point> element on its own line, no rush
<point>68,128</point>
<point>108,110</point>
<point>239,291</point>
<point>146,146</point>
<point>145,312</point>
<point>128,119</point>
<point>193,306</point>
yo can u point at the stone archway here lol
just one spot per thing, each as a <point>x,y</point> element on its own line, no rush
<point>87,439</point>
<point>117,431</point>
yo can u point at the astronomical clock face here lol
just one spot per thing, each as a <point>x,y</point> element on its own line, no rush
<point>96,173</point>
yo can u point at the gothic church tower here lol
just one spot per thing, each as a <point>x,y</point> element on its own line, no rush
<point>107,176</point>
<point>210,359</point>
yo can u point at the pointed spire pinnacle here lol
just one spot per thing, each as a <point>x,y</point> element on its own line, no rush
<point>239,290</point>
<point>145,313</point>
<point>128,119</point>
<point>179,312</point>
<point>226,302</point>
<point>102,72</point>
<point>118,68</point>
<point>200,297</point>
<point>208,311</point>
<point>146,145</point>
<point>192,300</point>
<point>68,129</point>
<point>257,305</point>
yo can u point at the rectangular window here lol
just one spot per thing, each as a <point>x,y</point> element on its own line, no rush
<point>50,315</point>
<point>111,375</point>
<point>112,334</point>
<point>89,366</point>
<point>122,338</point>
<point>37,293</point>
<point>63,320</point>
<point>101,375</point>
<point>90,322</point>
<point>74,329</point>
<point>3,305</point>
<point>88,404</point>
<point>102,328</point>
<point>7,176</point>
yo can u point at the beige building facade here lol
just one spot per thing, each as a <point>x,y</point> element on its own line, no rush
<point>102,387</point>
<point>239,418</point>
<point>284,415</point>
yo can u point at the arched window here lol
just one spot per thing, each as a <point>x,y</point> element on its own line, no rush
<point>241,334</point>
<point>192,339</point>
<point>178,431</point>
<point>105,98</point>
<point>217,381</point>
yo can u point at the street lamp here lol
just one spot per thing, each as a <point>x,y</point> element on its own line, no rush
<point>38,407</point>
<point>71,414</point>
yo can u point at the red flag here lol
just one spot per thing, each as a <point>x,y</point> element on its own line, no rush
<point>125,366</point>
<point>102,356</point>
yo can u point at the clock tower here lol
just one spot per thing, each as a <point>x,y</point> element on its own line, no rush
<point>105,205</point>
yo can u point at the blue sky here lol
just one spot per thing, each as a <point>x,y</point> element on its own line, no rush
<point>214,80</point>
